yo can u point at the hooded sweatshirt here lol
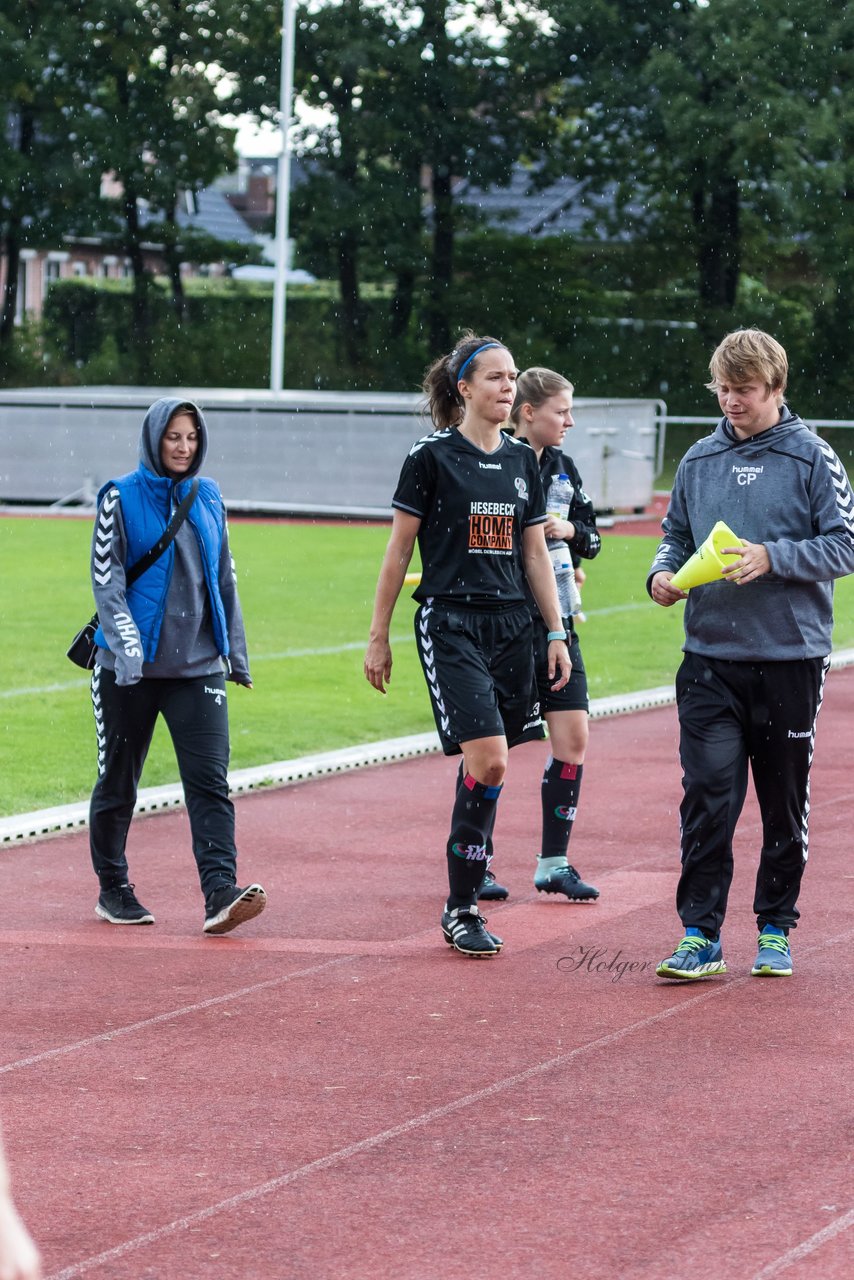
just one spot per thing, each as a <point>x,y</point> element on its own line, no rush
<point>182,617</point>
<point>784,488</point>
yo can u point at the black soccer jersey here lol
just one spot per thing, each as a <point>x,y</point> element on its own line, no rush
<point>473,508</point>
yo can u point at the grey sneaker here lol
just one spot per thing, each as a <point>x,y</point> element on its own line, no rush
<point>120,905</point>
<point>694,958</point>
<point>774,959</point>
<point>228,907</point>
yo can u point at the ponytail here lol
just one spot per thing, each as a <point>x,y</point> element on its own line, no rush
<point>444,400</point>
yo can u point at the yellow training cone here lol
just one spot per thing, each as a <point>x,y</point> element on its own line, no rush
<point>707,562</point>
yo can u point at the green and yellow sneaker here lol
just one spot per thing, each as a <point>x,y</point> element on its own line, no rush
<point>695,957</point>
<point>774,959</point>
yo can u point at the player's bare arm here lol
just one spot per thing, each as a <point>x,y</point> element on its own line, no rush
<point>398,553</point>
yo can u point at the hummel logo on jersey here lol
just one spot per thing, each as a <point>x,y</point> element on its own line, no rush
<point>807,733</point>
<point>489,466</point>
<point>746,475</point>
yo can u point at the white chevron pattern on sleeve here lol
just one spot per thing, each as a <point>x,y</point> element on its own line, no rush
<point>663,554</point>
<point>103,538</point>
<point>844,497</point>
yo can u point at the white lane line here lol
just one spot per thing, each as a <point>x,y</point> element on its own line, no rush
<point>385,1136</point>
<point>318,653</point>
<point>842,658</point>
<point>375,1140</point>
<point>285,655</point>
<point>616,608</point>
<point>806,1247</point>
<point>170,1015</point>
<point>36,689</point>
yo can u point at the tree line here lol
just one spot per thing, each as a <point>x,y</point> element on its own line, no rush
<point>716,136</point>
<point>133,91</point>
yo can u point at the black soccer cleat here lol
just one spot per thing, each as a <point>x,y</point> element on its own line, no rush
<point>491,890</point>
<point>465,930</point>
<point>564,880</point>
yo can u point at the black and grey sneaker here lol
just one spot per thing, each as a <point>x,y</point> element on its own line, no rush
<point>491,890</point>
<point>120,905</point>
<point>465,930</point>
<point>228,907</point>
<point>564,880</point>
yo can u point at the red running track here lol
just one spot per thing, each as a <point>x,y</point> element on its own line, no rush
<point>331,1092</point>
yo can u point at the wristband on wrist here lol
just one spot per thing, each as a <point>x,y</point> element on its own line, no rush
<point>556,635</point>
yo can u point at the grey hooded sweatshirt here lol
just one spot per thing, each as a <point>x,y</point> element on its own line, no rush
<point>186,645</point>
<point>784,488</point>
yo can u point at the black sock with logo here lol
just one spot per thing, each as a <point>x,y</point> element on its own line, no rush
<point>471,826</point>
<point>561,785</point>
<point>461,773</point>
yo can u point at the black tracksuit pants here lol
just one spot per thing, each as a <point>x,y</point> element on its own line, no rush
<point>732,714</point>
<point>196,714</point>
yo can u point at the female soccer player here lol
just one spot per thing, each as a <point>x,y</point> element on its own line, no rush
<point>542,415</point>
<point>471,496</point>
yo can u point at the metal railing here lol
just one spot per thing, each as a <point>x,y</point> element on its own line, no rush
<point>673,420</point>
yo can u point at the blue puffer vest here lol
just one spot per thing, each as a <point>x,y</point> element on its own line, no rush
<point>146,502</point>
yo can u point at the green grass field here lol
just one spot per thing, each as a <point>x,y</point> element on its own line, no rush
<point>307,592</point>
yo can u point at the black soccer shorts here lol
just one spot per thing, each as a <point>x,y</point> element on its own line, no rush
<point>479,668</point>
<point>573,696</point>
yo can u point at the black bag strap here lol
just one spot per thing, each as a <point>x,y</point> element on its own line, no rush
<point>178,517</point>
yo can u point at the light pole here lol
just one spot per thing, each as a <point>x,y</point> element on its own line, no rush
<point>283,195</point>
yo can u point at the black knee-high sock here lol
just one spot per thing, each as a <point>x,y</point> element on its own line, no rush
<point>461,773</point>
<point>471,823</point>
<point>561,785</point>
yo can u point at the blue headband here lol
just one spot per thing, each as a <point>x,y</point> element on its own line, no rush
<point>466,363</point>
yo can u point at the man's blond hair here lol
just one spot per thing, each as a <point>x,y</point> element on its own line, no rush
<point>747,355</point>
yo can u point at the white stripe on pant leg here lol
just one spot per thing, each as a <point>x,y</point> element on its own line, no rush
<point>425,643</point>
<point>805,817</point>
<point>97,707</point>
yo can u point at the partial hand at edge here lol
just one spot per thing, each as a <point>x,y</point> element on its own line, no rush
<point>378,664</point>
<point>559,659</point>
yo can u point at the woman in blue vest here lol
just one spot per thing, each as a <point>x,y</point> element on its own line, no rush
<point>166,645</point>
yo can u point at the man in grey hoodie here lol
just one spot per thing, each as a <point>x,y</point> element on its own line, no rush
<point>757,645</point>
<point>166,645</point>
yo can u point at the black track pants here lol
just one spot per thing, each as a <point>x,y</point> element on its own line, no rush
<point>732,714</point>
<point>196,714</point>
